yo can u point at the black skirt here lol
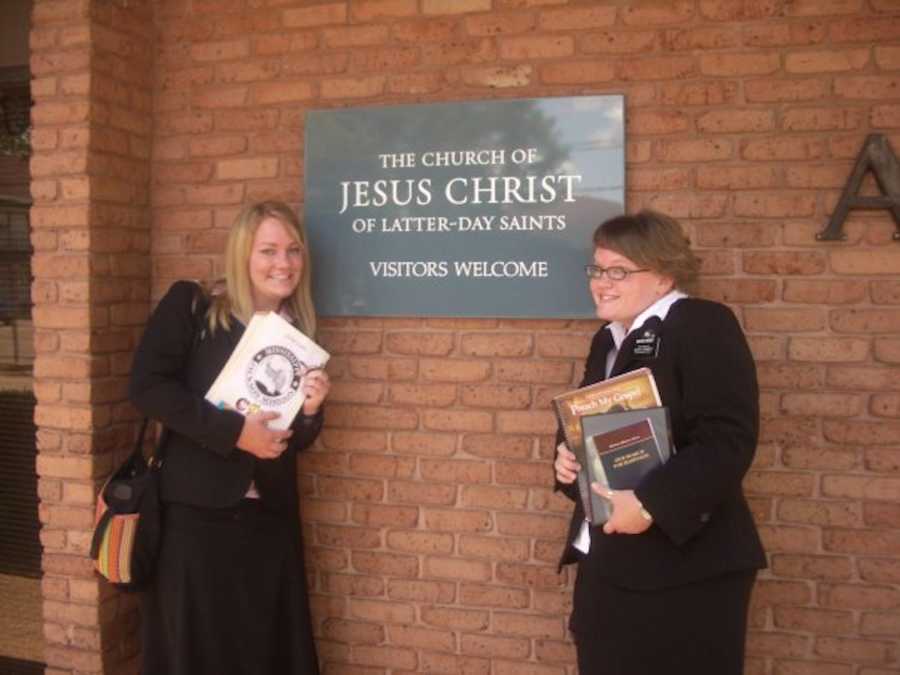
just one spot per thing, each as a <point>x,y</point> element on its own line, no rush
<point>699,628</point>
<point>229,596</point>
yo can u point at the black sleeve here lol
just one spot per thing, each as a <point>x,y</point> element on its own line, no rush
<point>306,429</point>
<point>157,385</point>
<point>720,408</point>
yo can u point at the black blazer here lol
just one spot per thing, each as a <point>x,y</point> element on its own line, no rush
<point>174,365</point>
<point>702,525</point>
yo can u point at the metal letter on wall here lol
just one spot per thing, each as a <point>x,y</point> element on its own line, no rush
<point>479,209</point>
<point>876,155</point>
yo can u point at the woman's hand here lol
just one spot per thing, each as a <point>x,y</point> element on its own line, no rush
<point>626,511</point>
<point>261,441</point>
<point>567,467</point>
<point>316,386</point>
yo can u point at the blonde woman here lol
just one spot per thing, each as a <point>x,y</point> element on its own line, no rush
<point>229,595</point>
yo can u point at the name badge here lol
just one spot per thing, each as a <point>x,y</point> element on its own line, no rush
<point>646,345</point>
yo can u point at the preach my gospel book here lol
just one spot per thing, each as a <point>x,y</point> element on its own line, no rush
<point>623,447</point>
<point>632,390</point>
<point>266,369</point>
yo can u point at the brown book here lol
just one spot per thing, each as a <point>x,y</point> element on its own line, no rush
<point>629,391</point>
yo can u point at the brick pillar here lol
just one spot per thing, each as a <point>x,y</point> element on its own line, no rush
<point>92,63</point>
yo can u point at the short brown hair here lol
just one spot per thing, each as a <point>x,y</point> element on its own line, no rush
<point>651,240</point>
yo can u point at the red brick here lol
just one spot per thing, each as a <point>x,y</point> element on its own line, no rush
<point>537,47</point>
<point>875,570</point>
<point>818,621</point>
<point>784,263</point>
<point>880,624</point>
<point>369,562</point>
<point>782,148</point>
<point>414,443</point>
<point>864,29</point>
<point>678,11</point>
<point>496,396</point>
<point>458,569</point>
<point>698,93</point>
<point>728,10</point>
<point>422,591</point>
<point>355,36</point>
<point>865,262</point>
<point>421,493</point>
<point>457,420</point>
<point>353,632</point>
<point>615,42</point>
<point>825,568</point>
<point>739,178</point>
<point>729,65</point>
<point>422,638</point>
<point>785,34</point>
<point>694,150</point>
<point>657,122</point>
<point>577,18</point>
<point>735,121</point>
<point>867,87</point>
<point>319,15</point>
<point>774,205</point>
<point>866,321</point>
<point>657,68</point>
<point>494,646</point>
<point>498,76</point>
<point>455,471</point>
<point>701,38</point>
<point>455,6</point>
<point>862,377</point>
<point>790,320</point>
<point>359,87</point>
<point>887,350</point>
<point>780,483</point>
<point>772,91</point>
<point>220,51</point>
<point>411,541</point>
<point>831,61</point>
<point>454,370</point>
<point>820,512</point>
<point>478,595</point>
<point>856,650</point>
<point>577,72</point>
<point>828,349</point>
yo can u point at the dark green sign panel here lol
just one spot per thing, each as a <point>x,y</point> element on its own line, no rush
<point>479,209</point>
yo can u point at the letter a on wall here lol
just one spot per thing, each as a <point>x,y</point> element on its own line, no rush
<point>876,156</point>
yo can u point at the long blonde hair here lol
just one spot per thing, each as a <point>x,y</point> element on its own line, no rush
<point>237,297</point>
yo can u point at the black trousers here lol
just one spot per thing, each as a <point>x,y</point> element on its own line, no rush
<point>698,629</point>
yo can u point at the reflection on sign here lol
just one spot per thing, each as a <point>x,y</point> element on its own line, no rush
<point>469,209</point>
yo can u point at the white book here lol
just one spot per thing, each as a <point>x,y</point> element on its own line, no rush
<point>265,372</point>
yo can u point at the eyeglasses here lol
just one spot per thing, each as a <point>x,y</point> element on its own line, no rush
<point>612,273</point>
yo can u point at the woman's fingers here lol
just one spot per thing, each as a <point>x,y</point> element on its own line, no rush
<point>566,465</point>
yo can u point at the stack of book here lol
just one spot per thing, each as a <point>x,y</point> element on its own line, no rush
<point>619,431</point>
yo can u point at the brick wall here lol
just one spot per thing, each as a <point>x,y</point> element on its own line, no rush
<point>91,64</point>
<point>431,529</point>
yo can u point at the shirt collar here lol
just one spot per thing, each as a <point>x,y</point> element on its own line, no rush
<point>659,308</point>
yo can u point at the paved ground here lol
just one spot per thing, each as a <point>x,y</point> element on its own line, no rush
<point>21,623</point>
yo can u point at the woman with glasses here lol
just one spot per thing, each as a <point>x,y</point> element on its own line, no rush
<point>664,585</point>
<point>229,596</point>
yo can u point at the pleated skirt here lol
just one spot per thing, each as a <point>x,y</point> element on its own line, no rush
<point>229,596</point>
<point>696,629</point>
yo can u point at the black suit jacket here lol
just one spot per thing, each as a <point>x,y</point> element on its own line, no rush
<point>174,365</point>
<point>702,525</point>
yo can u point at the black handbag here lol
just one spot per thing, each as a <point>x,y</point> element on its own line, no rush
<point>128,521</point>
